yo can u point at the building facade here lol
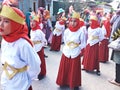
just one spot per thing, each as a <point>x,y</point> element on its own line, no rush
<point>24,5</point>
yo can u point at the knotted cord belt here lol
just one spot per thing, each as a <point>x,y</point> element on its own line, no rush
<point>36,42</point>
<point>58,30</point>
<point>15,70</point>
<point>72,45</point>
<point>94,37</point>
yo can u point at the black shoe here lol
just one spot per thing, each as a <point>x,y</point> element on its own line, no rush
<point>48,44</point>
<point>57,50</point>
<point>83,69</point>
<point>76,88</point>
<point>40,77</point>
<point>45,56</point>
<point>51,50</point>
<point>98,73</point>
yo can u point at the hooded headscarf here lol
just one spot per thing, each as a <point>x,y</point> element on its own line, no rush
<point>46,14</point>
<point>106,23</point>
<point>19,28</point>
<point>62,20</point>
<point>10,2</point>
<point>76,16</point>
<point>94,22</point>
<point>36,19</point>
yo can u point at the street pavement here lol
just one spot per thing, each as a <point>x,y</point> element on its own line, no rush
<point>90,81</point>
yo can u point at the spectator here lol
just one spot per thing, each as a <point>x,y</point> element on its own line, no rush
<point>115,21</point>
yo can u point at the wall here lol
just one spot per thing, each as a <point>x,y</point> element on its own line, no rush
<point>24,5</point>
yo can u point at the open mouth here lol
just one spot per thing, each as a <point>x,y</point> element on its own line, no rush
<point>1,30</point>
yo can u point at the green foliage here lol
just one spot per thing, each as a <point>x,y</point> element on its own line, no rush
<point>98,2</point>
<point>107,1</point>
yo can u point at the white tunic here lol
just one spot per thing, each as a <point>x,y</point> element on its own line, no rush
<point>77,37</point>
<point>104,31</point>
<point>58,29</point>
<point>41,26</point>
<point>19,54</point>
<point>96,33</point>
<point>38,35</point>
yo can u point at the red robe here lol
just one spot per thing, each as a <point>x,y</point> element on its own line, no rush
<point>56,42</point>
<point>43,64</point>
<point>70,68</point>
<point>69,72</point>
<point>103,48</point>
<point>90,59</point>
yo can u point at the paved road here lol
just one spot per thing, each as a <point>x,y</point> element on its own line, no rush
<point>89,81</point>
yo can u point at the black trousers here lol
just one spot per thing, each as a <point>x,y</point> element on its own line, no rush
<point>117,79</point>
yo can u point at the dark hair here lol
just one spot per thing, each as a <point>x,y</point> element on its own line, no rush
<point>1,6</point>
<point>118,12</point>
<point>30,9</point>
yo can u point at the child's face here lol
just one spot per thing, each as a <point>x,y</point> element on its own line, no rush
<point>15,2</point>
<point>73,22</point>
<point>32,24</point>
<point>5,26</point>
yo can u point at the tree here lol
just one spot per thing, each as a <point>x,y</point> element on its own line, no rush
<point>108,1</point>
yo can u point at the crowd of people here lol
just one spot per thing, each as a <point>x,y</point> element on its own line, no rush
<point>26,36</point>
